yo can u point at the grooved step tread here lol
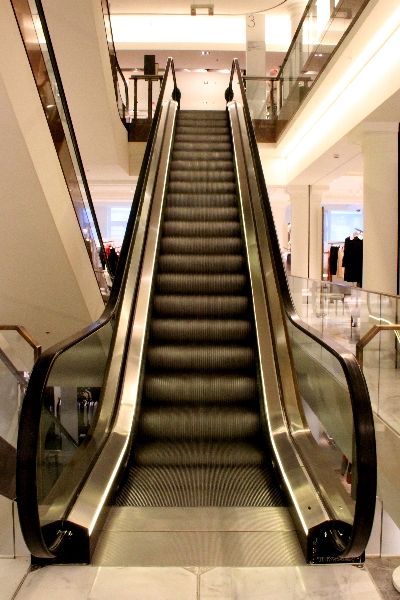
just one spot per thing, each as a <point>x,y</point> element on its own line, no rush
<point>184,305</point>
<point>203,245</point>
<point>200,389</point>
<point>199,263</point>
<point>205,330</point>
<point>196,213</point>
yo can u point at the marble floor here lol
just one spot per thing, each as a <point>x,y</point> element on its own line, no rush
<point>325,582</point>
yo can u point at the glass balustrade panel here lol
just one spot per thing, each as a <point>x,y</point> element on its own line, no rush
<point>327,409</point>
<point>72,403</point>
<point>347,313</point>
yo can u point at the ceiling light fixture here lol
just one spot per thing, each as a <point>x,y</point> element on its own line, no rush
<point>201,9</point>
<point>204,52</point>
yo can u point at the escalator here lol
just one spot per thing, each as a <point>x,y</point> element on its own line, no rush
<point>212,392</point>
<point>199,441</point>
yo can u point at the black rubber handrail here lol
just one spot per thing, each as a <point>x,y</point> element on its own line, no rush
<point>29,427</point>
<point>362,412</point>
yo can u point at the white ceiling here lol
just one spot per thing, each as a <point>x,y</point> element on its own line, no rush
<point>182,7</point>
<point>340,168</point>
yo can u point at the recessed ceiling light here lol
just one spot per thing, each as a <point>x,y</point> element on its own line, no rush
<point>202,9</point>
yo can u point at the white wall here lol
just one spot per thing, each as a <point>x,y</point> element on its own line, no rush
<point>79,40</point>
<point>47,282</point>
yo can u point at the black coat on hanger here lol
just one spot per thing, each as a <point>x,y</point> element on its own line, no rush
<point>353,259</point>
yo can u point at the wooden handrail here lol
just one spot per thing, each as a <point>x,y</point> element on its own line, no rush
<point>370,336</point>
<point>24,333</point>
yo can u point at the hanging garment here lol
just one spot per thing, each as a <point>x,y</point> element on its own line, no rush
<point>340,270</point>
<point>353,259</point>
<point>333,260</point>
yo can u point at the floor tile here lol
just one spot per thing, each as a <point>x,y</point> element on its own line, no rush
<point>105,583</point>
<point>12,571</point>
<point>136,583</point>
<point>324,582</point>
<point>59,583</point>
<point>381,569</point>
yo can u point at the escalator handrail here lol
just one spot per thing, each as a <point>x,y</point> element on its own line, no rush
<point>362,412</point>
<point>28,435</point>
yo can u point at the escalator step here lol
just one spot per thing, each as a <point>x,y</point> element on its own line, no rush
<point>199,263</point>
<point>202,187</point>
<point>200,306</point>
<point>203,245</point>
<point>201,200</point>
<point>205,147</point>
<point>176,283</point>
<point>195,423</point>
<point>201,229</point>
<point>203,138</point>
<point>200,165</point>
<point>196,213</point>
<point>244,486</point>
<point>195,330</point>
<point>209,124</point>
<point>202,176</point>
<point>199,389</point>
<point>198,454</point>
<point>206,115</point>
<point>200,358</point>
<point>202,125</point>
<point>203,154</point>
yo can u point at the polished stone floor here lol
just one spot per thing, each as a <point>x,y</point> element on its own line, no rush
<point>326,582</point>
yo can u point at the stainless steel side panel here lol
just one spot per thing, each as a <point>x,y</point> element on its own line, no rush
<point>275,363</point>
<point>94,494</point>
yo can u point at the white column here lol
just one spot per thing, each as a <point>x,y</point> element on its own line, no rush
<point>306,230</point>
<point>379,143</point>
<point>315,227</point>
<point>299,198</point>
<point>296,10</point>
<point>279,212</point>
<point>256,91</point>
